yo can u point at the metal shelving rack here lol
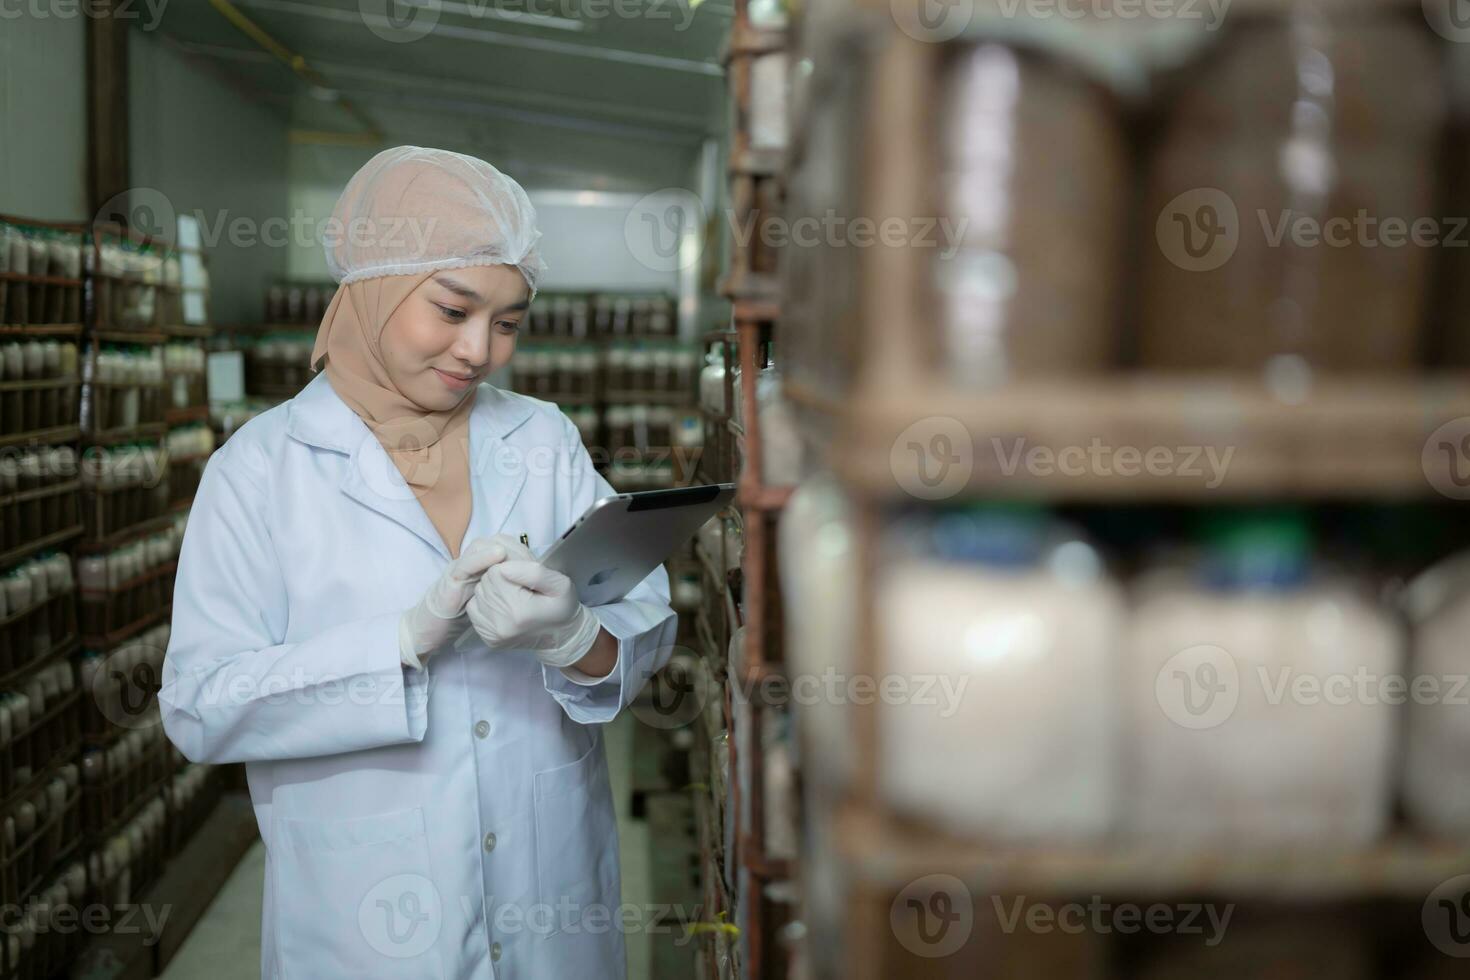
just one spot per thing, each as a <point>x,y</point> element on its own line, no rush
<point>13,392</point>
<point>61,726</point>
<point>165,326</point>
<point>757,181</point>
<point>101,301</point>
<point>714,622</point>
<point>52,738</point>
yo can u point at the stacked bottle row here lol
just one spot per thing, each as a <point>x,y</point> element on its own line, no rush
<point>601,316</point>
<point>125,388</point>
<point>51,262</point>
<point>137,286</point>
<point>129,584</point>
<point>278,363</point>
<point>1174,680</point>
<point>613,373</point>
<point>37,610</point>
<point>1327,261</point>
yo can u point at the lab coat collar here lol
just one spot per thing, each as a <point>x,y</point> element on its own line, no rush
<point>319,417</point>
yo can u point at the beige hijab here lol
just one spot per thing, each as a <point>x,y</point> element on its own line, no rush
<point>430,449</point>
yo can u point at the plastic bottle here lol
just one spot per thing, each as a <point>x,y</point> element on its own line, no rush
<point>1246,721</point>
<point>1437,765</point>
<point>1000,628</point>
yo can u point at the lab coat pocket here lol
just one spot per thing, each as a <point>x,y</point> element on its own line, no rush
<point>356,898</point>
<point>576,841</point>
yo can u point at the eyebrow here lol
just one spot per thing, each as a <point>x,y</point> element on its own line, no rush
<point>460,289</point>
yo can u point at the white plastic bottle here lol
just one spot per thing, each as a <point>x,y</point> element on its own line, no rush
<point>999,634</point>
<point>1260,696</point>
<point>819,596</point>
<point>1437,763</point>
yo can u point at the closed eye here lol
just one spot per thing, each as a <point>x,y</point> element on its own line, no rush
<point>451,313</point>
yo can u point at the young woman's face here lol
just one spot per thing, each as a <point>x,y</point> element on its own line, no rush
<point>452,331</point>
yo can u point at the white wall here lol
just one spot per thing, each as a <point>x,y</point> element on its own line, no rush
<point>585,247</point>
<point>209,150</point>
<point>43,117</point>
<point>317,175</point>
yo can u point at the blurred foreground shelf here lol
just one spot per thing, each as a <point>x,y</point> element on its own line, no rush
<point>884,853</point>
<point>1151,437</point>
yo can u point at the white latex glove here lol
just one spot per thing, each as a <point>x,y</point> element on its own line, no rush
<point>522,605</point>
<point>439,616</point>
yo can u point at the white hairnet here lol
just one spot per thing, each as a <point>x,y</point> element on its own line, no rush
<point>412,210</point>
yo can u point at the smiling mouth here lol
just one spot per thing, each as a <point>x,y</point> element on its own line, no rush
<point>459,381</point>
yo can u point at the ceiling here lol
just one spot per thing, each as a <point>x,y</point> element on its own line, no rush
<point>606,94</point>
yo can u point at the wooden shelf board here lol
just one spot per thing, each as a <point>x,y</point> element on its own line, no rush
<point>674,398</point>
<point>191,413</point>
<point>104,641</point>
<point>35,493</point>
<point>145,432</point>
<point>15,555</point>
<point>561,398</point>
<point>132,532</point>
<point>42,329</point>
<point>112,335</point>
<point>41,384</point>
<point>886,853</point>
<point>182,330</point>
<point>1351,438</point>
<point>44,437</point>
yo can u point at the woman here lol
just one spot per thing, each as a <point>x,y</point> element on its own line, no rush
<point>417,701</point>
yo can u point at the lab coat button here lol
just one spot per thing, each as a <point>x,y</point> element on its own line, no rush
<point>482,728</point>
<point>495,952</point>
<point>489,842</point>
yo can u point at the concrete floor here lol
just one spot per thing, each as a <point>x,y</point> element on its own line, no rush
<point>225,945</point>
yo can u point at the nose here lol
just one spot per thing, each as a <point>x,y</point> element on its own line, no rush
<point>472,345</point>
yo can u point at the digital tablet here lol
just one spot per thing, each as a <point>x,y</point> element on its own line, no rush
<point>622,538</point>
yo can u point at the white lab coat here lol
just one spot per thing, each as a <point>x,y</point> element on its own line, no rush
<point>448,823</point>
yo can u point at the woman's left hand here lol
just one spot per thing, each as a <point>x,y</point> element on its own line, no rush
<point>522,605</point>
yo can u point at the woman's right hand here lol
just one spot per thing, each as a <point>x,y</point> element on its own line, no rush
<point>439,616</point>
